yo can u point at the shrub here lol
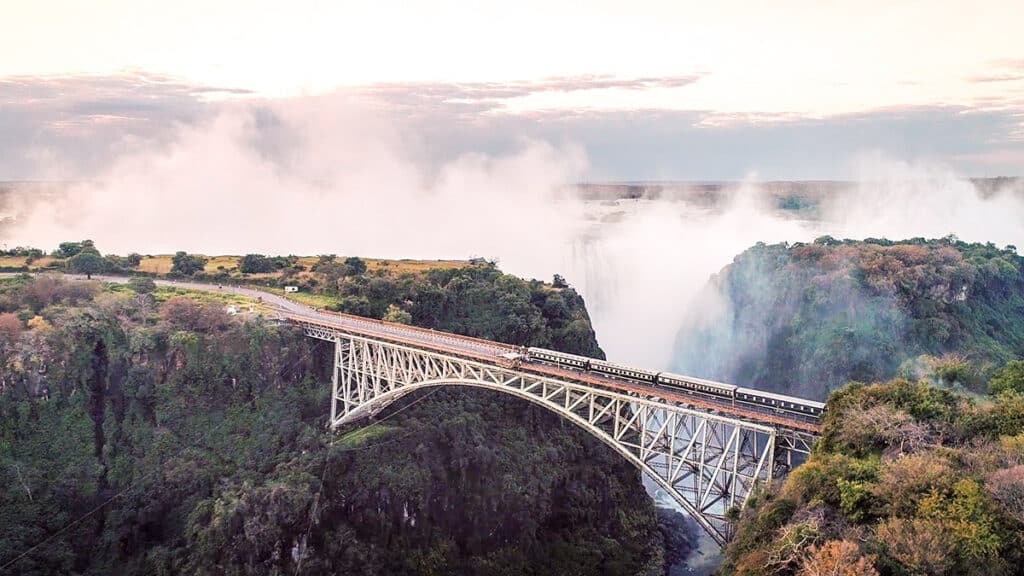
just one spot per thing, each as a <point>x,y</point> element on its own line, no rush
<point>396,314</point>
<point>142,285</point>
<point>10,329</point>
<point>914,546</point>
<point>836,558</point>
<point>904,481</point>
<point>1008,414</point>
<point>1006,486</point>
<point>1008,378</point>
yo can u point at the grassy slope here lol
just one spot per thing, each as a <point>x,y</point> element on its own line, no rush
<point>161,264</point>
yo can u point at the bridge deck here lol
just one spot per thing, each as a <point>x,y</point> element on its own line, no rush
<point>491,352</point>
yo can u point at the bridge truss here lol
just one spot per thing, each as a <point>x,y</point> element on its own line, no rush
<point>707,462</point>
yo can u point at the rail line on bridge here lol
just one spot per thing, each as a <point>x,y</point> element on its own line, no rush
<point>441,342</point>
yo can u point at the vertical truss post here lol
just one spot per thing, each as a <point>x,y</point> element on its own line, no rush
<point>335,367</point>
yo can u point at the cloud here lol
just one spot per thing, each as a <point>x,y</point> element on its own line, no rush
<point>478,97</point>
<point>58,127</point>
<point>997,78</point>
<point>337,174</point>
<point>289,177</point>
<point>890,199</point>
<point>1004,70</point>
<point>75,127</point>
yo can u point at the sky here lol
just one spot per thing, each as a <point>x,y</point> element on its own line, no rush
<point>650,90</point>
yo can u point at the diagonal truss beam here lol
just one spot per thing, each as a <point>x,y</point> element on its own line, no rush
<point>706,462</point>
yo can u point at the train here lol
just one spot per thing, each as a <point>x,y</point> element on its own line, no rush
<point>804,410</point>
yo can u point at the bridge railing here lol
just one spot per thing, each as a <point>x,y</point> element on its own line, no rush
<point>435,334</point>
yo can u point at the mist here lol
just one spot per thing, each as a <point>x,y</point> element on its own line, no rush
<point>335,177</point>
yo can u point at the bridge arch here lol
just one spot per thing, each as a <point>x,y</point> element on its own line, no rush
<point>707,462</point>
<point>381,402</point>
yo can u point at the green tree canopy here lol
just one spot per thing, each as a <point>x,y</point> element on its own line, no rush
<point>255,264</point>
<point>1009,378</point>
<point>356,266</point>
<point>87,262</point>
<point>187,264</point>
<point>69,249</point>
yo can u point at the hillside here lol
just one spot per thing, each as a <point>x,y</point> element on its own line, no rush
<point>150,433</point>
<point>920,472</point>
<point>807,318</point>
<point>908,479</point>
<point>466,297</point>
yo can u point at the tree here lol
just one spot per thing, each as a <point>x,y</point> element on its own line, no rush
<point>356,266</point>
<point>87,262</point>
<point>559,282</point>
<point>187,264</point>
<point>255,264</point>
<point>396,314</point>
<point>69,249</point>
<point>323,260</point>
<point>1008,378</point>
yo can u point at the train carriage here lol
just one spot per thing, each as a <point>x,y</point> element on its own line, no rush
<point>620,371</point>
<point>559,358</point>
<point>698,385</point>
<point>756,399</point>
<point>780,402</point>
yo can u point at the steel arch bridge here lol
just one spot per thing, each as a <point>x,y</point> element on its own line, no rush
<point>707,462</point>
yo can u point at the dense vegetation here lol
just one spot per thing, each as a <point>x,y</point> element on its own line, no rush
<point>807,318</point>
<point>908,479</point>
<point>147,433</point>
<point>921,473</point>
<point>473,298</point>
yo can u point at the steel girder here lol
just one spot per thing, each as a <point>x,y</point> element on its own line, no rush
<point>706,462</point>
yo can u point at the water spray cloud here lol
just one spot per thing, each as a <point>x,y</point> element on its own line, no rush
<point>291,177</point>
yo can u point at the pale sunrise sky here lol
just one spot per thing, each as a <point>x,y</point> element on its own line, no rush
<point>651,90</point>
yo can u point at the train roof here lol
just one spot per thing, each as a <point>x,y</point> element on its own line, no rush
<point>696,380</point>
<point>781,397</point>
<point>557,353</point>
<point>623,367</point>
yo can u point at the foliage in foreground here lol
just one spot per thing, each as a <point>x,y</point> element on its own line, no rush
<point>908,479</point>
